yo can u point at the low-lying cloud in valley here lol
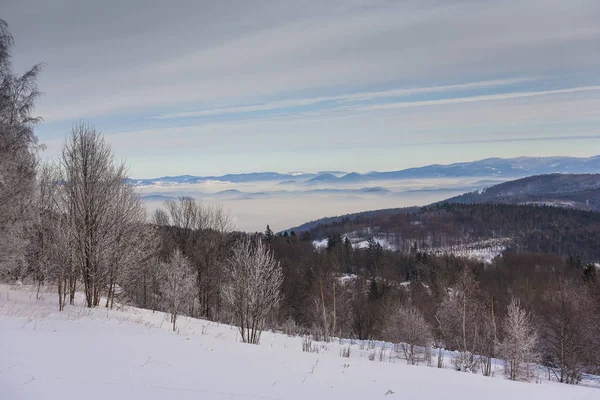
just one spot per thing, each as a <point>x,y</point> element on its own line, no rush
<point>283,205</point>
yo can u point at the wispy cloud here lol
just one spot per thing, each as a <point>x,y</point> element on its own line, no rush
<point>352,97</point>
<point>475,99</point>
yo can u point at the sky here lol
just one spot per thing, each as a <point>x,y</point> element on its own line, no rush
<point>208,88</point>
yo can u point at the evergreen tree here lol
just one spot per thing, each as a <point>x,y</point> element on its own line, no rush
<point>374,293</point>
<point>269,236</point>
<point>333,240</point>
<point>589,273</point>
<point>306,236</point>
<point>374,257</point>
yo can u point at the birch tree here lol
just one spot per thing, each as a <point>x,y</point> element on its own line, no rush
<point>254,285</point>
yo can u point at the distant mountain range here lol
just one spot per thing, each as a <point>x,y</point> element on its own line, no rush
<point>508,168</point>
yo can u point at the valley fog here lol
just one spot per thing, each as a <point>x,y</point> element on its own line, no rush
<point>282,206</point>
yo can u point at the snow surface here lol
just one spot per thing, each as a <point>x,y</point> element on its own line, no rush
<point>320,244</point>
<point>483,250</point>
<point>363,244</point>
<point>132,354</point>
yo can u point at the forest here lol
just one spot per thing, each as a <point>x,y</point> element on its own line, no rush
<point>76,224</point>
<point>529,228</point>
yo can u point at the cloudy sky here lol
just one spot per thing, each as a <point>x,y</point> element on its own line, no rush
<point>212,87</point>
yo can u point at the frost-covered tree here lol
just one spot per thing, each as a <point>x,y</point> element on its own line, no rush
<point>18,156</point>
<point>201,233</point>
<point>412,335</point>
<point>177,285</point>
<point>140,279</point>
<point>253,290</point>
<point>519,345</point>
<point>129,238</point>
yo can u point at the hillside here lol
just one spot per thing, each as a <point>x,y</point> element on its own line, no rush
<point>341,219</point>
<point>567,190</point>
<point>449,227</point>
<point>131,354</point>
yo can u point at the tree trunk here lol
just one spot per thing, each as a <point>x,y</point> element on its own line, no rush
<point>61,304</point>
<point>324,311</point>
<point>72,287</point>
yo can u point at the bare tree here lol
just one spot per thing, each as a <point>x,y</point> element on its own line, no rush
<point>519,345</point>
<point>459,320</point>
<point>322,268</point>
<point>63,258</point>
<point>42,228</point>
<point>567,331</point>
<point>177,285</point>
<point>51,253</point>
<point>102,210</point>
<point>254,288</point>
<point>489,336</point>
<point>411,333</point>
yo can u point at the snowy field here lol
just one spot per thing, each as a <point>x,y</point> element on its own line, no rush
<point>133,354</point>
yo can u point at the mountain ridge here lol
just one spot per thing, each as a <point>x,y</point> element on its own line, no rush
<point>490,167</point>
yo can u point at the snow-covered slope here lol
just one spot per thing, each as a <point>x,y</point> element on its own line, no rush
<point>132,354</point>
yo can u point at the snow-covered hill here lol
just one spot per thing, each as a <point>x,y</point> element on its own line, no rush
<point>132,354</point>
